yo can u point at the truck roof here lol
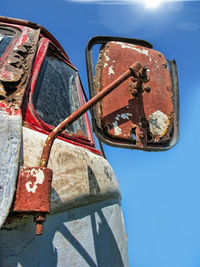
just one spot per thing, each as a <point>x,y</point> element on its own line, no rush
<point>33,25</point>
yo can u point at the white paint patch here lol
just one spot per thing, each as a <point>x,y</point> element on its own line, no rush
<point>117,130</point>
<point>105,65</point>
<point>158,123</point>
<point>111,71</point>
<point>124,116</point>
<point>150,59</point>
<point>130,46</point>
<point>156,64</point>
<point>1,38</point>
<point>39,175</point>
<point>107,57</point>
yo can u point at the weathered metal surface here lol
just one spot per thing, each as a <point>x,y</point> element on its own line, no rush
<point>91,227</point>
<point>139,80</point>
<point>134,68</point>
<point>33,190</point>
<point>14,73</point>
<point>33,194</point>
<point>79,176</point>
<point>147,97</point>
<point>10,140</point>
<point>16,66</point>
<point>92,235</point>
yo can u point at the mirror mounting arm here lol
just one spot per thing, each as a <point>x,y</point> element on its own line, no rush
<point>134,68</point>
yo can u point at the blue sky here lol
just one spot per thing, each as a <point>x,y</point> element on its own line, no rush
<point>161,191</point>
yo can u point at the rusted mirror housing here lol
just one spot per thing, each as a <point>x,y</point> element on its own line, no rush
<point>142,112</point>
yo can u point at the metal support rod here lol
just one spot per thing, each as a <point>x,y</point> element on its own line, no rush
<point>80,111</point>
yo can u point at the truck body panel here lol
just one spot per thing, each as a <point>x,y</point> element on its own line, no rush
<point>85,226</point>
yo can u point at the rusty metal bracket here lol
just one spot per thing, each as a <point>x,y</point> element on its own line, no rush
<point>80,111</point>
<point>139,79</point>
<point>33,194</point>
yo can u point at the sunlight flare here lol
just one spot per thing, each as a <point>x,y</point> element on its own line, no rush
<point>152,4</point>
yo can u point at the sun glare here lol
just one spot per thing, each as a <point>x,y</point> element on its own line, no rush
<point>152,4</point>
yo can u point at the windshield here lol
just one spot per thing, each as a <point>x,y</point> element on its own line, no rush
<point>57,94</point>
<point>6,35</point>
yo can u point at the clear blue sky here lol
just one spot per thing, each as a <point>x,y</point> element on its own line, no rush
<point>161,191</point>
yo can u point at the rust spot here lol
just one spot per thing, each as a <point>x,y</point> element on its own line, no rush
<point>33,190</point>
<point>33,194</point>
<point>16,67</point>
<point>165,66</point>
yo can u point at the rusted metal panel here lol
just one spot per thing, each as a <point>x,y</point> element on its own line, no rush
<point>33,190</point>
<point>143,105</point>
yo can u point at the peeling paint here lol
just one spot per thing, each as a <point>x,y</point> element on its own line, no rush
<point>149,81</point>
<point>111,71</point>
<point>126,115</point>
<point>106,56</point>
<point>123,116</point>
<point>16,67</point>
<point>117,130</point>
<point>130,46</point>
<point>39,175</point>
<point>156,64</point>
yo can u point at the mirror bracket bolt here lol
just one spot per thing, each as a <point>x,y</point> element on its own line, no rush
<point>139,79</point>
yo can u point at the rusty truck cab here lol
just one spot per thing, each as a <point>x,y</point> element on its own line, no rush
<point>53,88</point>
<point>49,162</point>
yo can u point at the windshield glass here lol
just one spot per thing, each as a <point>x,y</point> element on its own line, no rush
<point>56,94</point>
<point>6,36</point>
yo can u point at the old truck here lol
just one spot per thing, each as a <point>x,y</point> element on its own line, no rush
<point>52,176</point>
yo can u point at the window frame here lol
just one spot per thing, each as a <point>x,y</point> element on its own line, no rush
<point>36,122</point>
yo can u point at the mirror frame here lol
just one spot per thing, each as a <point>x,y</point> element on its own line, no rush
<point>102,40</point>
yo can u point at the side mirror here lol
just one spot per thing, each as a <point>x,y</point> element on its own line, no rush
<point>143,111</point>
